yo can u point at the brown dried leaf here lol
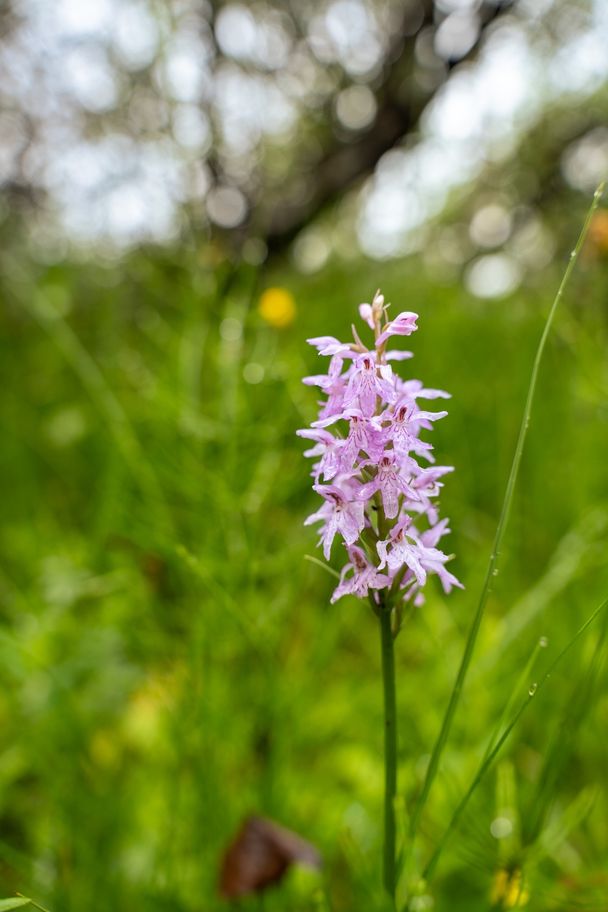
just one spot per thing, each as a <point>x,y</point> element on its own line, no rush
<point>260,855</point>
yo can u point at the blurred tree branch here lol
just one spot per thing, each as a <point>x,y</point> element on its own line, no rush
<point>346,160</point>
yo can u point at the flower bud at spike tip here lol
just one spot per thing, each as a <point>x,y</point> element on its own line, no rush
<point>377,497</point>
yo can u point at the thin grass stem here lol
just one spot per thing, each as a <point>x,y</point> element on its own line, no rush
<point>490,757</point>
<point>524,677</point>
<point>498,540</point>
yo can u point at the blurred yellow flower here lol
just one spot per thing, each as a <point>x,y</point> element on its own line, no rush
<point>508,889</point>
<point>277,306</point>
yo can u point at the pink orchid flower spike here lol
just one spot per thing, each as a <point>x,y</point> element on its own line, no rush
<point>368,440</point>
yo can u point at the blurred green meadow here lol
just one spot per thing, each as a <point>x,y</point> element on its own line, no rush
<point>169,660</point>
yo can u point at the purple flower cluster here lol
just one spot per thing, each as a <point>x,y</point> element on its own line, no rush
<point>367,451</point>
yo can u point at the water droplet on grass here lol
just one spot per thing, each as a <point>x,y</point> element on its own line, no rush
<point>543,642</point>
<point>532,689</point>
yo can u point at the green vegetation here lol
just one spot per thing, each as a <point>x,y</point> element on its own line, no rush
<point>169,661</point>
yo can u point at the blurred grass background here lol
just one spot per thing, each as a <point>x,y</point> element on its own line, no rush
<point>169,661</point>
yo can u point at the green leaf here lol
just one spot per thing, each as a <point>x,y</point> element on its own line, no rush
<point>14,903</point>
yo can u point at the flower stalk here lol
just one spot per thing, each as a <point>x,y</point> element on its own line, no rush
<point>387,643</point>
<point>379,484</point>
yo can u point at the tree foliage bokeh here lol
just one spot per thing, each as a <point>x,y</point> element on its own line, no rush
<point>140,120</point>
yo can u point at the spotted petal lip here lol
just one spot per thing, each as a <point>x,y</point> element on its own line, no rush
<point>330,492</point>
<point>367,383</point>
<point>358,576</point>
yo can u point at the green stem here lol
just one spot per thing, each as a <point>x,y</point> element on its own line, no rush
<point>390,748</point>
<point>490,756</point>
<point>500,531</point>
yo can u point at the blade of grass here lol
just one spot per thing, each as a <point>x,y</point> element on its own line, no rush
<point>524,677</point>
<point>491,756</point>
<point>569,561</point>
<point>500,532</point>
<point>556,831</point>
<point>562,742</point>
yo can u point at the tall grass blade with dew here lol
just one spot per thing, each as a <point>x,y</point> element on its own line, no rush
<point>490,756</point>
<point>498,540</point>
